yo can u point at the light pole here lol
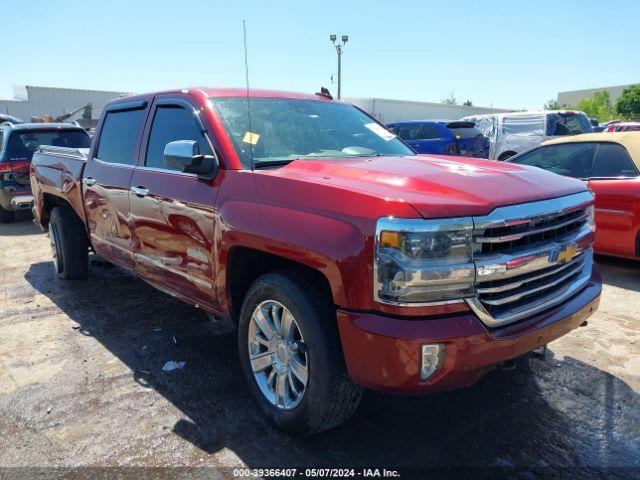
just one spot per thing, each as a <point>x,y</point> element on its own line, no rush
<point>339,47</point>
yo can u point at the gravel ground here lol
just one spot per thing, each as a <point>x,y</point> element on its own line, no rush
<point>81,384</point>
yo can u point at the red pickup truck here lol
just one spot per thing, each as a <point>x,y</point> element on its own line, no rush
<point>345,259</point>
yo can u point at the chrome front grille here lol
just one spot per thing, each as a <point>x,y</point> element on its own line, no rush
<point>530,231</point>
<point>531,257</point>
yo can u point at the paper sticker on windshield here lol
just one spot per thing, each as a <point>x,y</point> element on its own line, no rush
<point>251,138</point>
<point>380,131</point>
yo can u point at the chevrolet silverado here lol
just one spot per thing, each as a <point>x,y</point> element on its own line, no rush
<point>345,259</point>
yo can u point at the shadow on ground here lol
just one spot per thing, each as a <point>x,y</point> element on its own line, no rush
<point>619,272</point>
<point>545,413</point>
<point>23,225</point>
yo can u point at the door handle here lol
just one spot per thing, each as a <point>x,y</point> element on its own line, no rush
<point>89,182</point>
<point>140,191</point>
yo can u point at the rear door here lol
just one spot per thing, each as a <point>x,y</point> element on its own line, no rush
<point>106,181</point>
<point>172,213</point>
<point>615,182</point>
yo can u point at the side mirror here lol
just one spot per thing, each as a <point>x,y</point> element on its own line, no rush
<point>184,155</point>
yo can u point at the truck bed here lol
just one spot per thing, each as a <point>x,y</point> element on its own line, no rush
<point>57,172</point>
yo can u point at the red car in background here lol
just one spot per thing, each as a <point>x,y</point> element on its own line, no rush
<point>623,127</point>
<point>610,164</point>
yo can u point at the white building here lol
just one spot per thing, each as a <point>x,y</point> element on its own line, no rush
<point>574,96</point>
<point>30,101</point>
<point>387,110</point>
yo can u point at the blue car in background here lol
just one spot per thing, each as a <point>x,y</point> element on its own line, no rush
<point>443,137</point>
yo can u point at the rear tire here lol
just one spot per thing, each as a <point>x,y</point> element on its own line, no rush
<point>69,244</point>
<point>328,395</point>
<point>6,216</point>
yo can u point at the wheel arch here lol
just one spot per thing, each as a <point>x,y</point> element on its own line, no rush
<point>246,264</point>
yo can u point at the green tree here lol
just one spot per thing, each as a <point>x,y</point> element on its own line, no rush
<point>551,105</point>
<point>599,106</point>
<point>628,105</point>
<point>468,103</point>
<point>451,100</point>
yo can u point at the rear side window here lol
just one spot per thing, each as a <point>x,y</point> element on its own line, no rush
<point>523,125</point>
<point>417,132</point>
<point>569,159</point>
<point>171,123</point>
<point>612,160</point>
<point>567,124</point>
<point>118,136</point>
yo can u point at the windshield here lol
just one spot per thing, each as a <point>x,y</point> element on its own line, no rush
<point>568,124</point>
<point>284,129</point>
<point>21,146</point>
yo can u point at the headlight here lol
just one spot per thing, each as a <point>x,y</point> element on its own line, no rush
<point>423,261</point>
<point>591,221</point>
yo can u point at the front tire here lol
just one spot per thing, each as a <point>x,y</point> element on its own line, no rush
<point>69,244</point>
<point>291,356</point>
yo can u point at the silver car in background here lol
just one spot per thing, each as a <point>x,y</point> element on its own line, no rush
<point>517,132</point>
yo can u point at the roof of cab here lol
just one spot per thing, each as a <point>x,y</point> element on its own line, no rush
<point>216,92</point>
<point>630,140</point>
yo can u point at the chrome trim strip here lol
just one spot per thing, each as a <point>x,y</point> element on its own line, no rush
<point>114,164</point>
<point>497,266</point>
<point>537,307</point>
<point>166,170</point>
<point>518,236</point>
<point>156,263</point>
<point>555,206</point>
<point>519,283</point>
<point>519,295</point>
<point>611,210</point>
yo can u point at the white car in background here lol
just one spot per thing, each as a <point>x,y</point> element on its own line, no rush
<point>517,132</point>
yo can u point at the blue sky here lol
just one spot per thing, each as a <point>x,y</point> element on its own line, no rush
<point>494,53</point>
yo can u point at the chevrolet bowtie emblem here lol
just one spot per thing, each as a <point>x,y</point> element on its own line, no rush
<point>563,255</point>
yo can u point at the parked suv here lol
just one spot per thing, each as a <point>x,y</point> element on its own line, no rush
<point>442,137</point>
<point>516,132</point>
<point>18,142</point>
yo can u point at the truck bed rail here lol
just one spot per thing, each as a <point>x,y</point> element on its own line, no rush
<point>77,153</point>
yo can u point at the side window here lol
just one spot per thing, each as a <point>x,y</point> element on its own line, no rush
<point>523,125</point>
<point>118,136</point>
<point>569,159</point>
<point>417,131</point>
<point>1,140</point>
<point>171,123</point>
<point>612,160</point>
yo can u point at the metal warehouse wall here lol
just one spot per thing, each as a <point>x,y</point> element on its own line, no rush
<point>42,101</point>
<point>387,110</point>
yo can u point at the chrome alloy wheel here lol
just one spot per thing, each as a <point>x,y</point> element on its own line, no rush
<point>54,247</point>
<point>278,356</point>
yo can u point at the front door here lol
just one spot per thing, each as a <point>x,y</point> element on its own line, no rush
<point>615,183</point>
<point>172,213</point>
<point>106,182</point>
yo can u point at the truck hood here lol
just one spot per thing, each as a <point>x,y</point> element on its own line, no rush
<point>436,186</point>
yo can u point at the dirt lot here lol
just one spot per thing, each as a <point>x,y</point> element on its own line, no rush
<point>81,383</point>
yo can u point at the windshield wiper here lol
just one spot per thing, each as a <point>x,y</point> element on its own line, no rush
<point>272,163</point>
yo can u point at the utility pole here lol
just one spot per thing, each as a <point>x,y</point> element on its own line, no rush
<point>339,47</point>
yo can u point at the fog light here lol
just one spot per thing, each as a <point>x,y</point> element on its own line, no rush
<point>432,359</point>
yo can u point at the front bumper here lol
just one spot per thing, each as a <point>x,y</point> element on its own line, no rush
<point>22,202</point>
<point>15,201</point>
<point>384,353</point>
